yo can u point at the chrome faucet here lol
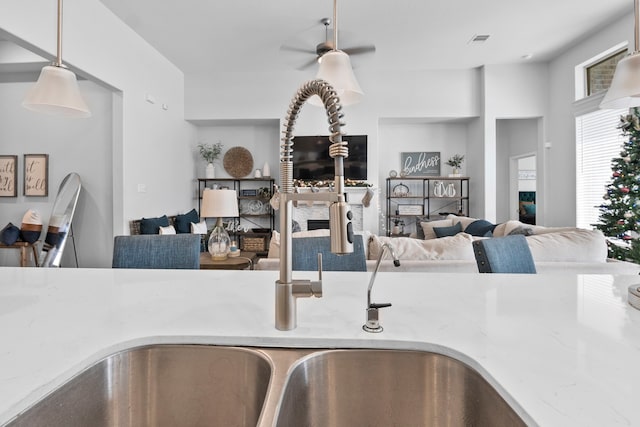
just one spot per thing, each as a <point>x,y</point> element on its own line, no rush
<point>341,228</point>
<point>373,321</point>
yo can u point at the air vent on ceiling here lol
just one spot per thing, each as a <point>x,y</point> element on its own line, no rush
<point>479,38</point>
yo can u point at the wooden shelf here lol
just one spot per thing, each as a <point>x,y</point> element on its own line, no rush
<point>267,218</point>
<point>422,193</point>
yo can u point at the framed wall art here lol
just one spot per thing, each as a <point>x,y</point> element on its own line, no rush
<point>410,210</point>
<point>420,164</point>
<point>526,174</point>
<point>36,175</point>
<point>8,176</point>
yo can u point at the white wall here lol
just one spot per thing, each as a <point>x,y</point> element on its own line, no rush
<point>511,91</point>
<point>81,146</point>
<point>406,98</point>
<point>154,147</point>
<point>506,91</point>
<point>560,167</point>
<point>260,138</point>
<point>151,145</point>
<point>396,137</point>
<point>515,137</point>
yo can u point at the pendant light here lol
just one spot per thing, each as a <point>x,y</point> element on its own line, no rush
<point>56,91</point>
<point>335,68</point>
<point>624,91</point>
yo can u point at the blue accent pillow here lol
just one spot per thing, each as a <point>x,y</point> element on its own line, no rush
<point>529,209</point>
<point>152,225</point>
<point>9,234</point>
<point>447,231</point>
<point>480,227</point>
<point>183,221</point>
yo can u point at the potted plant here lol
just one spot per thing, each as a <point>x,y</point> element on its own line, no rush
<point>398,227</point>
<point>210,153</point>
<point>455,162</point>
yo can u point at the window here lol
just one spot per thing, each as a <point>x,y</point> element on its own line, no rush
<point>600,74</point>
<point>598,140</point>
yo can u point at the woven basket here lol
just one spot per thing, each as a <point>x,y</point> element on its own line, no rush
<point>253,244</point>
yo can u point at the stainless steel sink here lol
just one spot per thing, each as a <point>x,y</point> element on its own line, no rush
<point>160,386</point>
<point>389,388</point>
<point>199,385</point>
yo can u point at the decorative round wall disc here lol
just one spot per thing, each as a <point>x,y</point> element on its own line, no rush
<point>238,162</point>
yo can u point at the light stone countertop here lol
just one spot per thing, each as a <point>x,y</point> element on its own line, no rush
<point>566,348</point>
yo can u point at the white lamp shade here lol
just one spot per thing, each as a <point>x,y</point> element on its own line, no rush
<point>624,91</point>
<point>219,204</point>
<point>335,68</point>
<point>56,92</point>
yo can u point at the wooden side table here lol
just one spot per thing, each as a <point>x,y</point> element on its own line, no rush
<point>242,262</point>
<point>24,251</point>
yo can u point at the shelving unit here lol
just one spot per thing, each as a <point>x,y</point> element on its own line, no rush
<point>409,197</point>
<point>256,214</point>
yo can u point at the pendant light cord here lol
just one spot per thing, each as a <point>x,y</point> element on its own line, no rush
<point>636,26</point>
<point>335,24</point>
<point>58,62</point>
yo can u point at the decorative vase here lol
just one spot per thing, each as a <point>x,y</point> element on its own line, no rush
<point>210,171</point>
<point>266,172</point>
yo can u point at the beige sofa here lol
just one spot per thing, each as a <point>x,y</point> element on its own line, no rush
<point>554,249</point>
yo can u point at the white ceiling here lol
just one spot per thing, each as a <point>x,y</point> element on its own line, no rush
<point>205,36</point>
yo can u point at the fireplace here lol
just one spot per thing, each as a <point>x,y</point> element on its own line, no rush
<point>307,212</point>
<point>317,224</point>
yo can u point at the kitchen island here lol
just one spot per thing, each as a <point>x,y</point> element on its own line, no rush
<point>562,349</point>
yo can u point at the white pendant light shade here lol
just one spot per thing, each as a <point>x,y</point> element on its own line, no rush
<point>56,92</point>
<point>624,91</point>
<point>335,68</point>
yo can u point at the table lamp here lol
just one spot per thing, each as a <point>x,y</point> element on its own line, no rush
<point>219,204</point>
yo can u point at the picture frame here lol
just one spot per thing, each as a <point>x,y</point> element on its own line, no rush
<point>410,210</point>
<point>420,164</point>
<point>36,175</point>
<point>9,176</point>
<point>527,174</point>
<point>250,192</point>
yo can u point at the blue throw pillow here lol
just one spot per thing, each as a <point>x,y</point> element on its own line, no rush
<point>183,222</point>
<point>529,209</point>
<point>9,235</point>
<point>447,231</point>
<point>152,225</point>
<point>479,227</point>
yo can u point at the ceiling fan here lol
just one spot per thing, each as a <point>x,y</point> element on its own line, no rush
<point>312,55</point>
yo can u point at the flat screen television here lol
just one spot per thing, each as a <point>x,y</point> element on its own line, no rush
<point>311,160</point>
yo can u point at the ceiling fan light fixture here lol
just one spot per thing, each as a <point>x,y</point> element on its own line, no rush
<point>336,69</point>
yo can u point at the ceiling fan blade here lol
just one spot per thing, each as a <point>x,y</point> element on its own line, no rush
<point>307,64</point>
<point>359,50</point>
<point>298,49</point>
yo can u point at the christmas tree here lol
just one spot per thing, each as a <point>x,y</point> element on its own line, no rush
<point>620,212</point>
